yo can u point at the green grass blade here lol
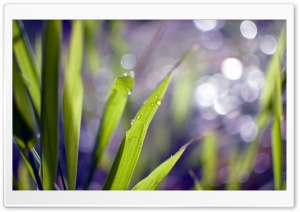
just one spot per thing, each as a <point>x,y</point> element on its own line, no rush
<point>23,176</point>
<point>49,114</point>
<point>72,102</point>
<point>25,59</point>
<point>112,113</point>
<point>92,29</point>
<point>276,131</point>
<point>38,54</point>
<point>130,148</point>
<point>271,72</point>
<point>158,174</point>
<point>209,160</point>
<point>131,145</point>
<point>21,97</point>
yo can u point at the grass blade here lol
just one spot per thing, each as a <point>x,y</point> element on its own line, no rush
<point>72,102</point>
<point>197,184</point>
<point>209,160</point>
<point>112,113</point>
<point>158,174</point>
<point>131,145</point>
<point>128,153</point>
<point>276,130</point>
<point>49,114</point>
<point>25,59</point>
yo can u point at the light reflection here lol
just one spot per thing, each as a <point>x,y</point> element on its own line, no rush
<point>225,102</point>
<point>268,44</point>
<point>249,91</point>
<point>243,176</point>
<point>206,91</point>
<point>232,68</point>
<point>248,29</point>
<point>205,25</point>
<point>254,74</point>
<point>128,61</point>
<point>248,129</point>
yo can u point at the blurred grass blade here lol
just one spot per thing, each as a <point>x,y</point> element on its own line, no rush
<point>92,29</point>
<point>49,114</point>
<point>276,130</point>
<point>25,59</point>
<point>38,54</point>
<point>72,102</point>
<point>158,174</point>
<point>21,97</point>
<point>271,72</point>
<point>112,113</point>
<point>131,145</point>
<point>197,184</point>
<point>23,176</point>
<point>130,148</point>
<point>209,160</point>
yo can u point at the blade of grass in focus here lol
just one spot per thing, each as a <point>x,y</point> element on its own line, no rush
<point>209,155</point>
<point>158,174</point>
<point>49,114</point>
<point>112,113</point>
<point>24,56</point>
<point>38,55</point>
<point>72,102</point>
<point>131,145</point>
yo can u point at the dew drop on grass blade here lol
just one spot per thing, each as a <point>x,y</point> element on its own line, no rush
<point>131,145</point>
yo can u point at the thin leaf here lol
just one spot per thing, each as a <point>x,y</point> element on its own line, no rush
<point>25,59</point>
<point>156,176</point>
<point>130,148</point>
<point>72,102</point>
<point>112,113</point>
<point>49,115</point>
<point>131,145</point>
<point>23,176</point>
<point>209,160</point>
<point>276,131</point>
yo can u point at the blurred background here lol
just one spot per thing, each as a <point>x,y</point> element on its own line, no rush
<point>216,91</point>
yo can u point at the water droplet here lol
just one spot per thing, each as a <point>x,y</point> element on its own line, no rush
<point>132,121</point>
<point>158,102</point>
<point>156,96</point>
<point>125,74</point>
<point>129,92</point>
<point>171,156</point>
<point>132,74</point>
<point>152,104</point>
<point>138,117</point>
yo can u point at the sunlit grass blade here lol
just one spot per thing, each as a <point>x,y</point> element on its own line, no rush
<point>23,176</point>
<point>24,55</point>
<point>72,102</point>
<point>131,145</point>
<point>112,113</point>
<point>158,174</point>
<point>49,114</point>
<point>130,148</point>
<point>209,155</point>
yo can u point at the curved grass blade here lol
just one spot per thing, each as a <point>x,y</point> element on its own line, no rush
<point>25,59</point>
<point>49,114</point>
<point>131,145</point>
<point>72,102</point>
<point>156,176</point>
<point>112,113</point>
